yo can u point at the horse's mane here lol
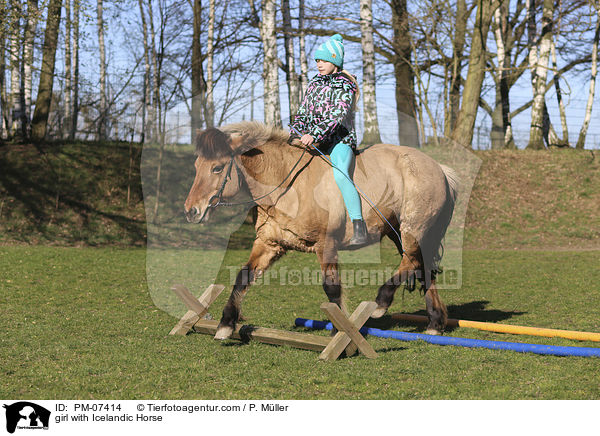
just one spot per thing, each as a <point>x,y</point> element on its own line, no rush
<point>256,133</point>
<point>214,143</point>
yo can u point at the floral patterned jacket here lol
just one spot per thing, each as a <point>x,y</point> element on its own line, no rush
<point>327,111</point>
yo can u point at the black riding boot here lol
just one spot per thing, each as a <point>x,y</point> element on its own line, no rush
<point>360,234</point>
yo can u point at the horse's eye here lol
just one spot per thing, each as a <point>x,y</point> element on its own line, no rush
<point>218,169</point>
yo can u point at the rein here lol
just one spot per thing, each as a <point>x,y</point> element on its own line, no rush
<point>216,200</point>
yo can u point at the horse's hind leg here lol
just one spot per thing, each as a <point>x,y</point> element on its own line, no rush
<point>436,310</point>
<point>411,264</point>
<point>261,258</point>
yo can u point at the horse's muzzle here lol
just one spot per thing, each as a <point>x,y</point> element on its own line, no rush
<point>193,215</point>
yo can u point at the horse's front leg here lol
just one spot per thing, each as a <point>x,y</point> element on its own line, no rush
<point>328,258</point>
<point>261,258</point>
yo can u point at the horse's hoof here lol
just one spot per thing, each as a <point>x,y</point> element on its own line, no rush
<point>433,332</point>
<point>223,333</point>
<point>379,312</point>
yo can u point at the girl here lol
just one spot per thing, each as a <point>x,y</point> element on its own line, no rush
<point>326,116</point>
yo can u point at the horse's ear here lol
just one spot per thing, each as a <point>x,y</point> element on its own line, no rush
<point>240,144</point>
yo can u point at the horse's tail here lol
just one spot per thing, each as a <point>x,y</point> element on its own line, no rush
<point>453,181</point>
<point>443,221</point>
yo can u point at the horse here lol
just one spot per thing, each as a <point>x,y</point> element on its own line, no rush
<point>299,207</point>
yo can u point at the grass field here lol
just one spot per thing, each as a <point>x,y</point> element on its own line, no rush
<point>79,323</point>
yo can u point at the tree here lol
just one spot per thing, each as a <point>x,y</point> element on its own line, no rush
<point>103,118</point>
<point>15,69</point>
<point>42,107</point>
<point>68,71</point>
<point>75,76</point>
<point>28,46</point>
<point>209,115</point>
<point>594,71</point>
<point>371,124</point>
<point>290,65</point>
<point>146,96</point>
<point>465,123</point>
<point>539,68</point>
<point>272,109</point>
<point>408,133</point>
<point>198,82</point>
<point>3,98</point>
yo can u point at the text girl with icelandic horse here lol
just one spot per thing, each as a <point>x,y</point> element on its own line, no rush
<point>326,117</point>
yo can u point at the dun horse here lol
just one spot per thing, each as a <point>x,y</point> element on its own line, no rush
<point>301,208</point>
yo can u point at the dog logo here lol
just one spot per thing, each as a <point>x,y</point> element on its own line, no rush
<point>26,415</point>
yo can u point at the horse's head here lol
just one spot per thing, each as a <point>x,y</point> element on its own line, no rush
<point>217,176</point>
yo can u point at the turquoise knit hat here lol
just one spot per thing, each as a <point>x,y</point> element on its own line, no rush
<point>332,51</point>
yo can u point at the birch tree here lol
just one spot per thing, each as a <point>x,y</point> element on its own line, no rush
<point>210,60</point>
<point>15,68</point>
<point>28,47</point>
<point>302,47</point>
<point>539,67</point>
<point>290,66</point>
<point>594,71</point>
<point>502,136</point>
<point>103,118</point>
<point>272,109</point>
<point>371,123</point>
<point>75,75</point>
<point>39,123</point>
<point>456,66</point>
<point>68,71</point>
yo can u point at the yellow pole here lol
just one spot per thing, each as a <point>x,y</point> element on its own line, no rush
<point>505,328</point>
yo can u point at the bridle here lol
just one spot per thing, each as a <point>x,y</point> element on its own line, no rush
<point>217,199</point>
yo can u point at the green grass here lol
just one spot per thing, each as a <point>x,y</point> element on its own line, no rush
<point>80,323</point>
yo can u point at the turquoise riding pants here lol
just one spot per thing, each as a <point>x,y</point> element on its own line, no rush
<point>342,157</point>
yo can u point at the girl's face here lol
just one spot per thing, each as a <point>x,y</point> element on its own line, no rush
<point>325,67</point>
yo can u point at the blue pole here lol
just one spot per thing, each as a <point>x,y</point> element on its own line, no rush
<point>519,347</point>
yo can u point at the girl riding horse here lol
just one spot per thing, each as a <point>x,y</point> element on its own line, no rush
<point>326,116</point>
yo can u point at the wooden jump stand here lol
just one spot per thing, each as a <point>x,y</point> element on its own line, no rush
<point>347,338</point>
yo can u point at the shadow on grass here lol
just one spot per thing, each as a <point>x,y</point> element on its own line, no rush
<point>472,311</point>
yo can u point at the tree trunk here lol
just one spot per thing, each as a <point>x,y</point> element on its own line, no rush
<point>210,56</point>
<point>272,107</point>
<point>3,100</point>
<point>146,97</point>
<point>29,39</point>
<point>559,99</point>
<point>594,72</point>
<point>75,81</point>
<point>501,136</point>
<point>371,124</point>
<point>408,131</point>
<point>303,59</point>
<point>536,131</point>
<point>465,123</point>
<point>290,71</point>
<point>44,97</point>
<point>68,71</point>
<point>456,66</point>
<point>102,122</point>
<point>155,113</point>
<point>198,84</point>
<point>15,69</point>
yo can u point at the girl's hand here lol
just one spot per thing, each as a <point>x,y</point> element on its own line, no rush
<point>307,140</point>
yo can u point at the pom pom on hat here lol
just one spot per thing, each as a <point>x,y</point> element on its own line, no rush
<point>332,51</point>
